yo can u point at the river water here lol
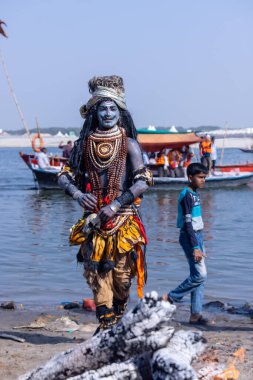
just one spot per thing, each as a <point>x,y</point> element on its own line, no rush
<point>38,267</point>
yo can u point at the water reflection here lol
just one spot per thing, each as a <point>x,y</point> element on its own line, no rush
<point>167,265</point>
<point>39,267</point>
<point>44,209</point>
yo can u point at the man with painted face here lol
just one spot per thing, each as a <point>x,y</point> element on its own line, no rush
<point>107,176</point>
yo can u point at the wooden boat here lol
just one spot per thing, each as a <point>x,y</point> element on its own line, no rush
<point>47,179</point>
<point>31,162</point>
<point>235,168</point>
<point>227,180</point>
<point>151,141</point>
<point>247,150</point>
<point>44,179</point>
<point>155,141</point>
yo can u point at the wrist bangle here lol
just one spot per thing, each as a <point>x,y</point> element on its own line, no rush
<point>76,194</point>
<point>115,206</point>
<point>126,198</point>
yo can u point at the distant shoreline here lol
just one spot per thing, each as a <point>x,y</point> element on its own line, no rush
<point>24,142</point>
<point>54,141</point>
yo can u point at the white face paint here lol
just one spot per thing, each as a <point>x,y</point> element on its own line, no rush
<point>108,114</point>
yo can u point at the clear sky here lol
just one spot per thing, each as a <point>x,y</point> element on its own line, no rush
<point>184,62</point>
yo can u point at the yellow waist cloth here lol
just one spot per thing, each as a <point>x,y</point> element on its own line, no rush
<point>127,238</point>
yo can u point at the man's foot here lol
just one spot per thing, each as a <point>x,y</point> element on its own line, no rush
<point>167,298</point>
<point>98,329</point>
<point>119,307</point>
<point>106,318</point>
<point>198,319</point>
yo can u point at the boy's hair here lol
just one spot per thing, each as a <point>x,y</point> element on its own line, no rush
<point>196,168</point>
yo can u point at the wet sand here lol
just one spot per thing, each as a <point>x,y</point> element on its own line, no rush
<point>40,344</point>
<point>224,336</point>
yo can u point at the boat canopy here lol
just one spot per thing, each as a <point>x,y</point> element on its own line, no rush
<point>155,141</point>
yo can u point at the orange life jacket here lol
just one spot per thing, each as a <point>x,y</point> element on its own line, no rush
<point>160,160</point>
<point>187,161</point>
<point>173,159</point>
<point>206,147</point>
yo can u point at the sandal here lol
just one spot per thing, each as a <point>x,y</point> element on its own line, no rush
<point>167,298</point>
<point>200,321</point>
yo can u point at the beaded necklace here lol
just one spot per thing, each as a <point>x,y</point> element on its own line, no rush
<point>104,147</point>
<point>106,150</point>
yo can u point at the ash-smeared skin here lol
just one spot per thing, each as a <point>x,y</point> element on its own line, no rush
<point>108,116</point>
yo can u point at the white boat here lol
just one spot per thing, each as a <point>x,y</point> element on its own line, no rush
<point>219,180</point>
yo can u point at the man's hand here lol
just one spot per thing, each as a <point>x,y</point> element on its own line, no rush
<point>87,201</point>
<point>106,213</point>
<point>198,255</point>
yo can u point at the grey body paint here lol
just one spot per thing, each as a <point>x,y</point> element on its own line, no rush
<point>108,117</point>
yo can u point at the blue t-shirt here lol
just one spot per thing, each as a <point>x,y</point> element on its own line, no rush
<point>189,214</point>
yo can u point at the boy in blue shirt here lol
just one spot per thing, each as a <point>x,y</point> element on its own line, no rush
<point>191,225</point>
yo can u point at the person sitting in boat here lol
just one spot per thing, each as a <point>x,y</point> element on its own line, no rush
<point>42,159</point>
<point>174,159</point>
<point>172,162</point>
<point>145,158</point>
<point>66,149</point>
<point>161,159</point>
<point>187,155</point>
<point>152,159</point>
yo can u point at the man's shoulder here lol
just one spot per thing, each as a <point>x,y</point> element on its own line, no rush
<point>130,140</point>
<point>132,144</point>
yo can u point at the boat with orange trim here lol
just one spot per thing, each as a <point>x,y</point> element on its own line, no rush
<point>150,141</point>
<point>248,167</point>
<point>156,141</point>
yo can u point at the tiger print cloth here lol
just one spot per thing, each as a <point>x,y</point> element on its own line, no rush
<point>99,251</point>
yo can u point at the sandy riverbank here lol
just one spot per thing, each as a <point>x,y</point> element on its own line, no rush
<point>224,336</point>
<point>7,141</point>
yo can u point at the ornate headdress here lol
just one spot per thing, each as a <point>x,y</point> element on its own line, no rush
<point>105,87</point>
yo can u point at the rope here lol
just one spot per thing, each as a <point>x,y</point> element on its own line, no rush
<point>14,96</point>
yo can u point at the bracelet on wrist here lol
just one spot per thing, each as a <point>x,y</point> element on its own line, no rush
<point>126,198</point>
<point>115,206</point>
<point>76,194</point>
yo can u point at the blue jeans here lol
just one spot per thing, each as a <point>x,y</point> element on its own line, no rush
<point>195,283</point>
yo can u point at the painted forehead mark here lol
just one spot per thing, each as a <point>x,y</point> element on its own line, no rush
<point>107,103</point>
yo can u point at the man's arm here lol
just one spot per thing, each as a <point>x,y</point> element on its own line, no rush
<point>46,160</point>
<point>142,179</point>
<point>141,175</point>
<point>66,181</point>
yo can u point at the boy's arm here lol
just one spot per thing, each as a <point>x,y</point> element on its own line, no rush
<point>187,206</point>
<point>187,214</point>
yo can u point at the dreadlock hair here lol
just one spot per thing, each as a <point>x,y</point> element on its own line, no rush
<point>89,126</point>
